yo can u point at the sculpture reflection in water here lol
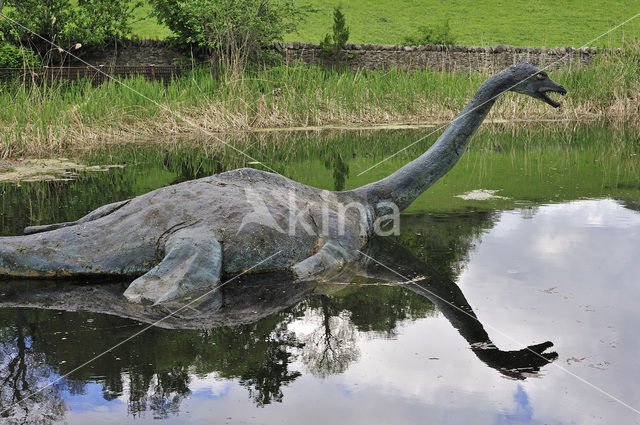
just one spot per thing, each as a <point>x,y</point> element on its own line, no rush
<point>240,332</point>
<point>386,263</point>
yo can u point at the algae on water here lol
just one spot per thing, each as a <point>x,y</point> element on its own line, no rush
<point>481,195</point>
<point>30,170</point>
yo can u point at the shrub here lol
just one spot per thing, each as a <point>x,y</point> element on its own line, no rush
<point>67,23</point>
<point>432,34</point>
<point>16,57</point>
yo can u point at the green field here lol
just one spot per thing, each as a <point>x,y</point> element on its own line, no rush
<point>146,26</point>
<point>487,22</point>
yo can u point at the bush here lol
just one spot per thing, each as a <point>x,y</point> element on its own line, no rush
<point>432,34</point>
<point>67,23</point>
<point>233,31</point>
<point>16,57</point>
<point>332,44</point>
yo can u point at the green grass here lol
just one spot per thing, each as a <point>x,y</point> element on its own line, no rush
<point>488,22</point>
<point>518,22</point>
<point>146,26</point>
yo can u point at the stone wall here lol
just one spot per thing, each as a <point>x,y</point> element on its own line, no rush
<point>367,56</point>
<point>440,58</point>
<point>136,53</point>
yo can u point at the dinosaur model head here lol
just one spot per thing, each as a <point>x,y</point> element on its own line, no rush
<point>528,79</point>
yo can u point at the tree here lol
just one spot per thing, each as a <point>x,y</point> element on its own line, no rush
<point>332,44</point>
<point>232,31</point>
<point>69,24</point>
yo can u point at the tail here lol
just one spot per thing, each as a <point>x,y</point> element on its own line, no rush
<point>58,250</point>
<point>36,256</point>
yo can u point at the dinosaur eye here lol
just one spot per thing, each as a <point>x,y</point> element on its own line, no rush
<point>540,76</point>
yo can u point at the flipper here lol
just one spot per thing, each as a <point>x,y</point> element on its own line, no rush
<point>93,215</point>
<point>192,262</point>
<point>329,259</point>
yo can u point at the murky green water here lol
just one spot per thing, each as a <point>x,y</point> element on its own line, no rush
<point>554,259</point>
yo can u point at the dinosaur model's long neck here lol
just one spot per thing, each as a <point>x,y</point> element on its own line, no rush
<point>406,184</point>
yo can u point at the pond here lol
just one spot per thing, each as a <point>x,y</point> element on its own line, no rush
<point>547,253</point>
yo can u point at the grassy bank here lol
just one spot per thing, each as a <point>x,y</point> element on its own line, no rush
<point>545,23</point>
<point>43,121</point>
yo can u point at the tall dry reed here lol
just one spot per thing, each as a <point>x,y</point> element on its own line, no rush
<point>53,119</point>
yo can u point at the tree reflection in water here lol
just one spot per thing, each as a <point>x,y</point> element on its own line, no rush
<point>332,346</point>
<point>265,379</point>
<point>23,371</point>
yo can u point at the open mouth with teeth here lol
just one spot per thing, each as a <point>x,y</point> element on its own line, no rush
<point>545,97</point>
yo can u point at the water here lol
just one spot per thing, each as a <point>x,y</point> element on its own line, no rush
<point>554,261</point>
